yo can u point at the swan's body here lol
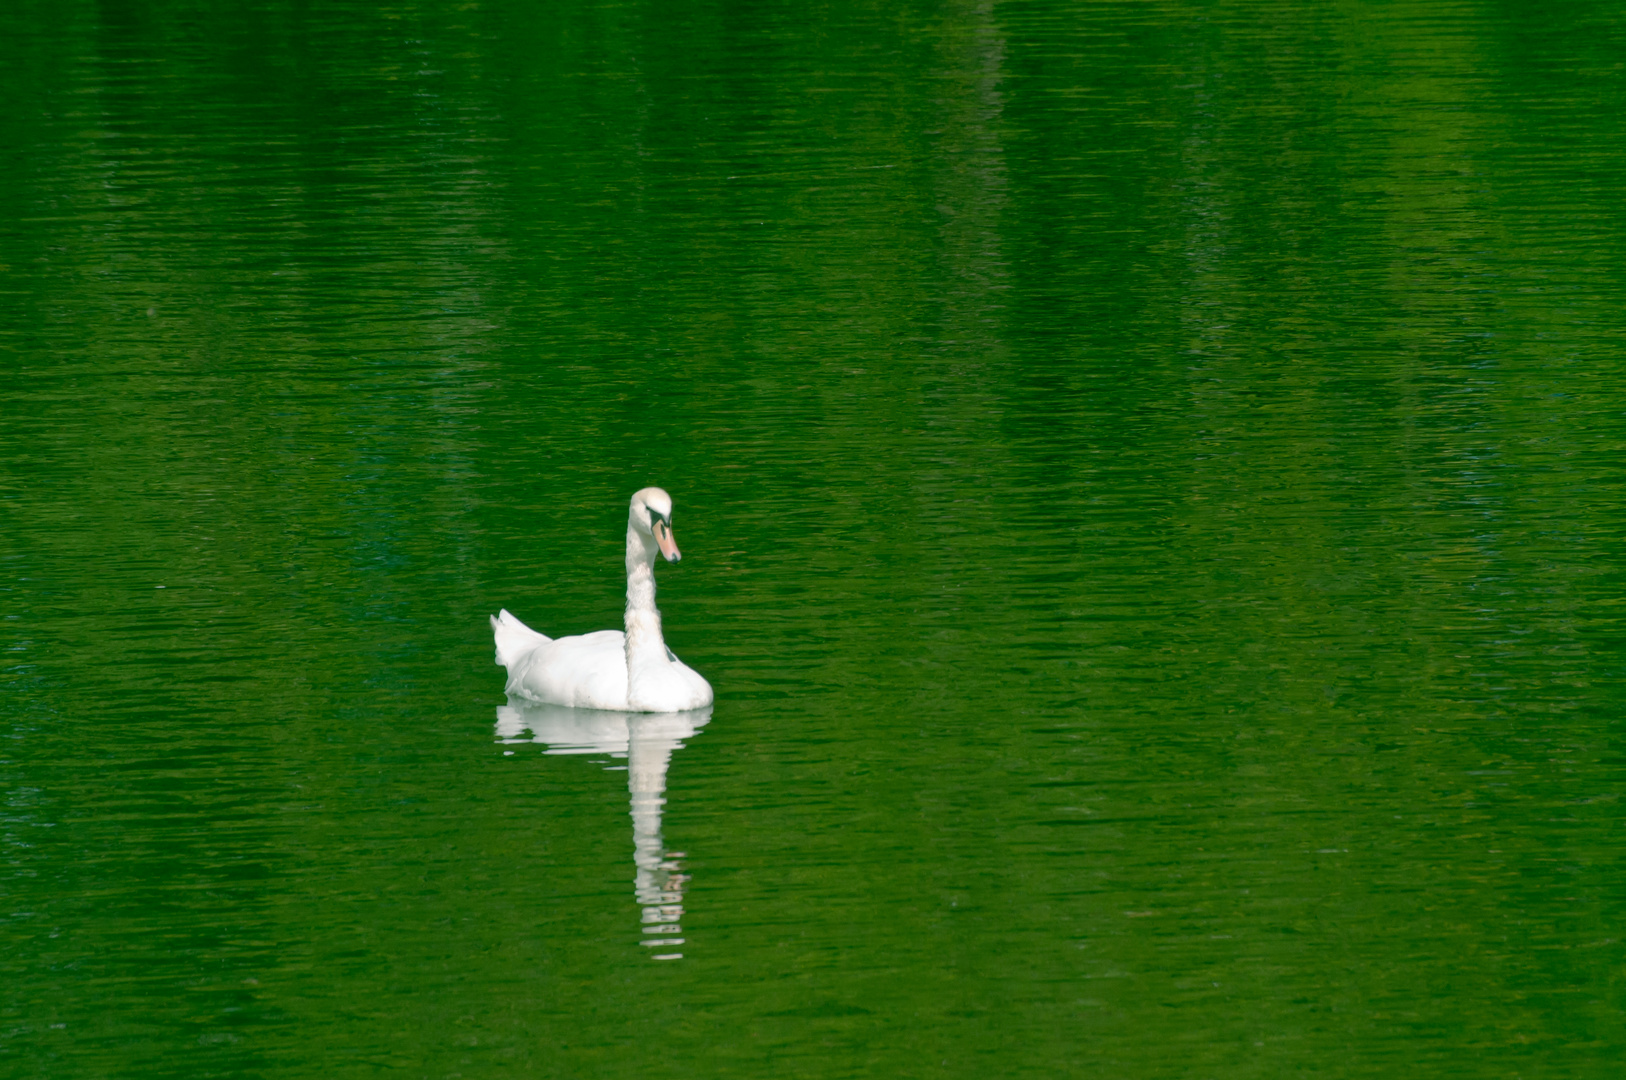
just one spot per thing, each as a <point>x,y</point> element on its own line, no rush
<point>631,671</point>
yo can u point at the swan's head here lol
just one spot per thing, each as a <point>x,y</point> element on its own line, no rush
<point>651,515</point>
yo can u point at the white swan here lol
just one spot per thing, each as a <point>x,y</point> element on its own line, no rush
<point>630,672</point>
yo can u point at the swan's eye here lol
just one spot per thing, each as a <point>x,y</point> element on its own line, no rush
<point>655,516</point>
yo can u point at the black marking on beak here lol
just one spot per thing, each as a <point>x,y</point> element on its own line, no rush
<point>657,521</point>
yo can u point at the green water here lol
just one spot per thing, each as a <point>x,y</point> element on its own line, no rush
<point>1150,482</point>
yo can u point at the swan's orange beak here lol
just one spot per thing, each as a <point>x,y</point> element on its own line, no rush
<point>663,537</point>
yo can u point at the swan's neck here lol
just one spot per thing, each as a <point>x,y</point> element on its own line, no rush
<point>645,646</point>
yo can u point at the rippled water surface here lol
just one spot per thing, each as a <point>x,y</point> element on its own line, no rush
<point>1150,477</point>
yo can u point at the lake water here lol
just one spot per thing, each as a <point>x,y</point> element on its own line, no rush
<point>1150,481</point>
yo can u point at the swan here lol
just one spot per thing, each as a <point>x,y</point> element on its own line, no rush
<point>608,669</point>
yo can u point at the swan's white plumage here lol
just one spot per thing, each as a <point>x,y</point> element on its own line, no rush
<point>514,638</point>
<point>631,671</point>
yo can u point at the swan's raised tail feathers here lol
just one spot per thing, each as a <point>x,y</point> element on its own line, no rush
<point>514,638</point>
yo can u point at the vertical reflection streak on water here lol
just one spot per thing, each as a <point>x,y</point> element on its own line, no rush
<point>659,881</point>
<point>646,741</point>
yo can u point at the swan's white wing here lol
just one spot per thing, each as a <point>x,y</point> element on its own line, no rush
<point>514,638</point>
<point>584,672</point>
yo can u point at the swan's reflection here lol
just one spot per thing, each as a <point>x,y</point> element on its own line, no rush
<point>646,740</point>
